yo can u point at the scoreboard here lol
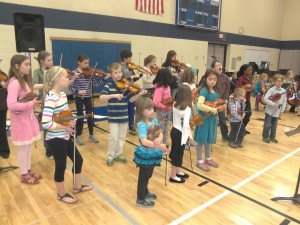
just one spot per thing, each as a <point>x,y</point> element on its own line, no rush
<point>202,14</point>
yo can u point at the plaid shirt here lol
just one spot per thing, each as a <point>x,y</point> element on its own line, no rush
<point>235,110</point>
<point>242,81</point>
<point>223,86</point>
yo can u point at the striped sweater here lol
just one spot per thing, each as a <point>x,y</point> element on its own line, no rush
<point>54,105</point>
<point>117,109</point>
<point>84,83</point>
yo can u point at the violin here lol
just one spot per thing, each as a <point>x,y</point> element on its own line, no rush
<point>219,104</point>
<point>132,66</point>
<point>248,87</point>
<point>195,94</point>
<point>176,63</point>
<point>153,132</point>
<point>154,69</point>
<point>91,71</point>
<point>28,97</point>
<point>168,101</point>
<point>64,117</point>
<point>197,120</point>
<point>293,97</point>
<point>125,84</point>
<point>3,76</point>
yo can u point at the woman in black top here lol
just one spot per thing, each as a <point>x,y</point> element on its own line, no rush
<point>175,70</point>
<point>4,148</point>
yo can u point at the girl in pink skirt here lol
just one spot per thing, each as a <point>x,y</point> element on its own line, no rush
<point>24,125</point>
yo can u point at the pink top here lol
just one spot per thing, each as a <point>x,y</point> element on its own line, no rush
<point>24,125</point>
<point>161,93</point>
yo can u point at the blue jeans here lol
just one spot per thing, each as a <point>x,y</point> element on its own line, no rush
<point>87,103</point>
<point>222,122</point>
<point>131,113</point>
<point>237,133</point>
<point>270,126</point>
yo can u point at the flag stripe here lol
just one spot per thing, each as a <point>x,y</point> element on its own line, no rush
<point>150,6</point>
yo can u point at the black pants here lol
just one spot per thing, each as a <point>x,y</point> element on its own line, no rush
<point>62,148</point>
<point>237,133</point>
<point>87,102</point>
<point>144,176</point>
<point>4,147</point>
<point>177,150</point>
<point>46,145</point>
<point>248,113</point>
<point>223,125</point>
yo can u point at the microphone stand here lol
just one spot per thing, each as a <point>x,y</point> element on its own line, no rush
<point>295,199</point>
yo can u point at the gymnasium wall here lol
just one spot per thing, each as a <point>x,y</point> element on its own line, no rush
<point>291,19</point>
<point>235,13</point>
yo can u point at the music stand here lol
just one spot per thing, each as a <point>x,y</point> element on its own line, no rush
<point>295,199</point>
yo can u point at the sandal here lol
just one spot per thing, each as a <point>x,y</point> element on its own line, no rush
<point>82,189</point>
<point>65,197</point>
<point>29,180</point>
<point>34,175</point>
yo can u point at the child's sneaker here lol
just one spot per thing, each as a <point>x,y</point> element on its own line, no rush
<point>151,196</point>
<point>266,140</point>
<point>212,163</point>
<point>79,140</point>
<point>203,166</point>
<point>240,145</point>
<point>145,203</point>
<point>93,139</point>
<point>233,145</point>
<point>110,162</point>
<point>273,140</point>
<point>121,159</point>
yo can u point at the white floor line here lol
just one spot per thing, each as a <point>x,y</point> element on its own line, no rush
<point>222,195</point>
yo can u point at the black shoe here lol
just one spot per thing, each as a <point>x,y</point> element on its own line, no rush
<point>247,132</point>
<point>151,196</point>
<point>182,180</point>
<point>145,203</point>
<point>4,155</point>
<point>182,176</point>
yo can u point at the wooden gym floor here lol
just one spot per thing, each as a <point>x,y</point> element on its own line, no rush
<point>238,192</point>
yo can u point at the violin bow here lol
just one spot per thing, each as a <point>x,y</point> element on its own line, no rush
<point>60,59</point>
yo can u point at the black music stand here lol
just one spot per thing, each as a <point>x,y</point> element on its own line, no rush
<point>295,199</point>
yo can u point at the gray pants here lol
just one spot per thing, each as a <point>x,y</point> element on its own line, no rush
<point>207,151</point>
<point>163,118</point>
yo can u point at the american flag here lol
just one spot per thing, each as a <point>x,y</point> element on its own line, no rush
<point>150,6</point>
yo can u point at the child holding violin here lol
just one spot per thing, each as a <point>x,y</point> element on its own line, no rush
<point>59,136</point>
<point>174,67</point>
<point>4,147</point>
<point>162,94</point>
<point>181,132</point>
<point>245,81</point>
<point>236,108</point>
<point>206,134</point>
<point>45,61</point>
<point>117,112</point>
<point>82,89</point>
<point>260,89</point>
<point>149,74</point>
<point>23,123</point>
<point>149,153</point>
<point>126,58</point>
<point>275,99</point>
